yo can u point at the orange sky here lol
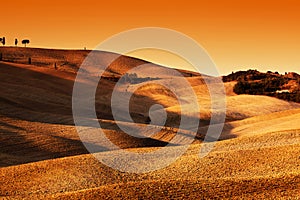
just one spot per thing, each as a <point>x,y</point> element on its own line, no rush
<point>238,34</point>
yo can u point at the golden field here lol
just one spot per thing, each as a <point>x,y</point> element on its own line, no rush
<point>42,157</point>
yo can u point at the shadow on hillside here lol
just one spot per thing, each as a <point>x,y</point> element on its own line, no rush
<point>214,134</point>
<point>18,147</point>
<point>34,96</point>
<point>38,97</point>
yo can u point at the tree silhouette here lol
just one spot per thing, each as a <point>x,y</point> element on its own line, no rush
<point>25,42</point>
<point>16,42</point>
<point>3,41</point>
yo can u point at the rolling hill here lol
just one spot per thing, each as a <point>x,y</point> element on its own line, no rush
<point>42,156</point>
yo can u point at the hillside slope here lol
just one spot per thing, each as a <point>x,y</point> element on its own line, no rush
<point>34,97</point>
<point>42,155</point>
<point>242,168</point>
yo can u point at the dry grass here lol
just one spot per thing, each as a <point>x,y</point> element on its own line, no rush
<point>262,169</point>
<point>42,156</point>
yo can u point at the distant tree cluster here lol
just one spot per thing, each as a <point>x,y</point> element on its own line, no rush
<point>249,75</point>
<point>264,86</point>
<point>134,79</point>
<point>294,96</point>
<point>271,83</point>
<point>25,41</point>
<point>129,78</point>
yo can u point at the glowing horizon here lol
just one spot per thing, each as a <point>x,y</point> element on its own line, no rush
<point>238,35</point>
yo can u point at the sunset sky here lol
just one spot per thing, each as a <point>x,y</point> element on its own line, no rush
<point>237,34</point>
